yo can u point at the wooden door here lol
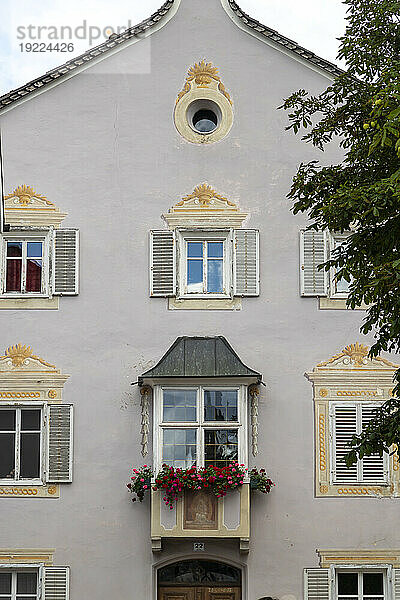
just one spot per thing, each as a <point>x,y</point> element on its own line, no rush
<point>177,593</point>
<point>199,593</point>
<point>222,593</point>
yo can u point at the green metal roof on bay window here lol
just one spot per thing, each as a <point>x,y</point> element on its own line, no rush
<point>200,357</point>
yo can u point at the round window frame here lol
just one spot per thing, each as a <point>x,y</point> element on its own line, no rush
<point>187,130</point>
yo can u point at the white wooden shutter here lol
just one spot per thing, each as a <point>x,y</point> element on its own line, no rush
<point>396,584</point>
<point>313,252</point>
<point>246,262</point>
<point>316,584</point>
<point>162,263</point>
<point>344,426</point>
<point>59,446</point>
<point>66,262</point>
<point>374,468</point>
<point>55,583</point>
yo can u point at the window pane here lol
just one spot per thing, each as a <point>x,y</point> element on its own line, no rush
<point>215,249</point>
<point>13,277</point>
<point>14,248</point>
<point>33,275</point>
<point>7,455</point>
<point>5,583</point>
<point>220,405</point>
<point>7,420</point>
<point>342,285</point>
<point>372,584</point>
<point>195,275</point>
<point>215,281</point>
<point>26,583</point>
<point>30,456</point>
<point>348,584</point>
<point>34,250</point>
<point>30,420</point>
<point>195,249</point>
<point>179,405</point>
<point>221,447</point>
<point>179,447</point>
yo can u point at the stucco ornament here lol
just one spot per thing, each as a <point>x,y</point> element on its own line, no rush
<point>355,355</point>
<point>24,206</point>
<point>145,392</point>
<point>203,90</point>
<point>20,355</point>
<point>24,195</point>
<point>203,74</point>
<point>254,393</point>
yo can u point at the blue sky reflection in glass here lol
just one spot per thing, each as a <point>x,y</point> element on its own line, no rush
<point>205,262</point>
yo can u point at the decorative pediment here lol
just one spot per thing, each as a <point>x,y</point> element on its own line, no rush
<point>24,206</point>
<point>21,357</point>
<point>354,367</point>
<point>355,356</point>
<point>203,75</point>
<point>20,367</point>
<point>205,207</point>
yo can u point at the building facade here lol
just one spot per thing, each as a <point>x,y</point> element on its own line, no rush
<point>149,241</point>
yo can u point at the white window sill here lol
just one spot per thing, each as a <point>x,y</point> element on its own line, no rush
<point>204,303</point>
<point>337,304</point>
<point>29,303</point>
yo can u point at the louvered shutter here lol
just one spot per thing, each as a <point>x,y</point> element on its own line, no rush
<point>313,252</point>
<point>396,584</point>
<point>56,583</point>
<point>344,427</point>
<point>162,263</point>
<point>246,262</point>
<point>316,584</point>
<point>59,448</point>
<point>375,467</point>
<point>66,262</point>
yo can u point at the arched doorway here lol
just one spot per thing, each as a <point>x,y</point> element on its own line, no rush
<point>199,580</point>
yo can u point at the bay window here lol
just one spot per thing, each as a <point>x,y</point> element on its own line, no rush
<point>200,426</point>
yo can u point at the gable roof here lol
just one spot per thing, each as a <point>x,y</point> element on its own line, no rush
<point>200,357</point>
<point>73,66</point>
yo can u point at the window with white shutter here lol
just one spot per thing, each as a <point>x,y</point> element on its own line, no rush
<point>56,583</point>
<point>162,263</point>
<point>396,584</point>
<point>60,440</point>
<point>246,263</point>
<point>66,262</point>
<point>313,252</point>
<point>348,419</point>
<point>317,584</point>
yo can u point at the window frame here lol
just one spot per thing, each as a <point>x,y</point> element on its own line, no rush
<point>205,235</point>
<point>16,568</point>
<point>200,425</point>
<point>24,237</point>
<point>385,569</point>
<point>43,446</point>
<point>333,240</point>
<point>332,437</point>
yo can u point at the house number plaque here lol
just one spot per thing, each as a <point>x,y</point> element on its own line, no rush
<point>199,547</point>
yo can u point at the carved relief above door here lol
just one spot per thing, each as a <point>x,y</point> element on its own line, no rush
<point>199,580</point>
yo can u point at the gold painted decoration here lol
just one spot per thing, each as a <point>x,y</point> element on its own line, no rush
<point>323,393</point>
<point>254,394</point>
<point>204,195</point>
<point>20,353</point>
<point>24,195</point>
<point>17,395</point>
<point>357,355</point>
<point>324,489</point>
<point>52,489</point>
<point>396,463</point>
<point>18,491</point>
<point>359,491</point>
<point>52,393</point>
<point>322,445</point>
<point>203,74</point>
<point>145,392</point>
